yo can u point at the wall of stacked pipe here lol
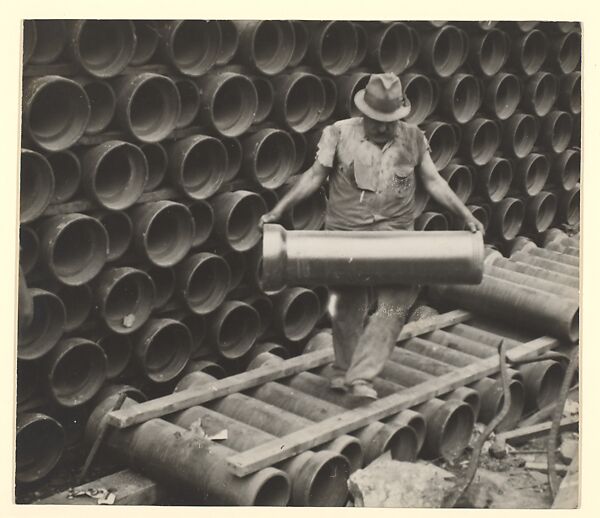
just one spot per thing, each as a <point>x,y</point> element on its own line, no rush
<point>150,149</point>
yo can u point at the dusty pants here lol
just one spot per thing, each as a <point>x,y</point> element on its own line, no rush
<point>362,350</point>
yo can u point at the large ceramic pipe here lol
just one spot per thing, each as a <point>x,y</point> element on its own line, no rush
<point>146,34</point>
<point>568,207</point>
<point>203,281</point>
<point>164,284</point>
<point>103,104</point>
<point>480,140</point>
<point>190,46</point>
<point>78,302</point>
<point>444,50</point>
<point>300,148</point>
<point>238,266</point>
<point>333,46</point>
<point>443,140</point>
<point>520,305</point>
<point>555,235</point>
<point>544,262</point>
<point>519,134</point>
<point>158,162</point>
<point>234,157</point>
<point>119,229</point>
<point>102,48</point>
<point>431,221</point>
<point>489,51</point>
<point>264,307</point>
<point>125,298</point>
<point>268,157</point>
<point>230,41</point>
<point>309,214</point>
<point>203,216</point>
<point>566,52</point>
<point>118,349</point>
<point>507,218</point>
<point>531,173</point>
<point>236,218</point>
<point>461,97</point>
<point>331,96</point>
<point>419,91</point>
<point>541,93</point>
<point>50,40</point>
<point>29,39</point>
<point>189,95</point>
<point>541,211</point>
<point>40,443</point>
<point>266,45</point>
<point>229,102</point>
<point>148,106</point>
<point>347,87</point>
<point>162,348</point>
<point>265,95</point>
<point>569,96</point>
<point>390,47</point>
<point>114,174</point>
<point>197,165</point>
<point>29,248</point>
<point>565,169</point>
<point>56,111</point>
<point>234,328</point>
<point>37,184</point>
<point>299,100</point>
<point>502,95</point>
<point>76,369</point>
<point>66,167</point>
<point>321,257</point>
<point>460,179</point>
<point>163,231</point>
<point>531,248</point>
<point>74,247</point>
<point>556,131</point>
<point>188,463</point>
<point>47,326</point>
<point>529,51</point>
<point>296,311</point>
<point>494,179</point>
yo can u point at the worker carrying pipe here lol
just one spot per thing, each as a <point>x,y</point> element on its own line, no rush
<point>372,163</point>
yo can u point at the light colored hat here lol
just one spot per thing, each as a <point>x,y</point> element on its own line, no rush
<point>383,98</point>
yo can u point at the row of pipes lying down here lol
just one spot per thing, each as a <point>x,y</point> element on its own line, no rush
<point>170,139</point>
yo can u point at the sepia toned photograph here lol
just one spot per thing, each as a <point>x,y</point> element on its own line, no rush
<point>307,263</point>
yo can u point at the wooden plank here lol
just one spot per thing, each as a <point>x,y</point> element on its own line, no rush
<point>129,487</point>
<point>282,448</point>
<point>159,407</point>
<point>542,467</point>
<point>521,435</point>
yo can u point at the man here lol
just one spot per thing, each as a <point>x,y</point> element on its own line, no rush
<point>370,162</point>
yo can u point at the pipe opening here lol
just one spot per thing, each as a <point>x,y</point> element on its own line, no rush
<point>120,233</point>
<point>431,221</point>
<point>533,52</point>
<point>456,432</point>
<point>561,132</point>
<point>545,94</point>
<point>328,488</point>
<point>118,351</point>
<point>120,176</point>
<point>300,316</point>
<point>167,352</point>
<point>164,284</point>
<point>571,207</point>
<point>274,159</point>
<point>273,46</point>
<point>338,47</point>
<point>46,327</point>
<point>203,216</point>
<point>169,235</point>
<point>300,151</point>
<point>230,40</point>
<point>40,443</point>
<point>525,135</point>
<point>402,444</point>
<point>103,104</point>
<point>195,46</point>
<point>51,39</point>
<point>361,45</point>
<point>273,491</point>
<point>512,219</point>
<point>208,284</point>
<point>203,168</point>
<point>154,108</point>
<point>494,52</point>
<point>238,330</point>
<point>36,185</point>
<point>67,175</point>
<point>395,48</point>
<point>242,225</point>
<point>574,327</point>
<point>420,93</point>
<point>234,157</point>
<point>485,143</point>
<point>78,374</point>
<point>147,41</point>
<point>481,214</point>
<point>499,180</point>
<point>442,141</point>
<point>29,248</point>
<point>508,96</point>
<point>546,212</point>
<point>157,159</point>
<point>569,52</point>
<point>517,405</point>
<point>574,96</point>
<point>461,182</point>
<point>234,105</point>
<point>466,99</point>
<point>78,303</point>
<point>447,53</point>
<point>131,296</point>
<point>309,214</point>
<point>303,103</point>
<point>105,47</point>
<point>196,325</point>
<point>190,102</point>
<point>58,114</point>
<point>79,252</point>
<point>571,171</point>
<point>237,268</point>
<point>301,43</point>
<point>550,384</point>
<point>266,98</point>
<point>331,93</point>
<point>536,174</point>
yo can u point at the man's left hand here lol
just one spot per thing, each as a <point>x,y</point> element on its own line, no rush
<point>474,225</point>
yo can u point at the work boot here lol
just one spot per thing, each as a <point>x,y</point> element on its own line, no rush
<point>363,389</point>
<point>338,384</point>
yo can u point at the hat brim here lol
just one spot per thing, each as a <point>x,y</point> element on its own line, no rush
<point>400,113</point>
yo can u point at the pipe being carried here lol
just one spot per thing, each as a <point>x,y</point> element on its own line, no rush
<point>369,258</point>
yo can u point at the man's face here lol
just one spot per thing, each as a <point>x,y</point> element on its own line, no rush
<point>377,131</point>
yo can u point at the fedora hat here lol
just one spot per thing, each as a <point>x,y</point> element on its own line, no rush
<point>383,98</point>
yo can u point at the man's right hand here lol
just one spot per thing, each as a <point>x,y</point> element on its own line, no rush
<point>270,217</point>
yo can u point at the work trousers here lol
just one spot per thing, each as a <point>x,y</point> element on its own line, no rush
<point>362,350</point>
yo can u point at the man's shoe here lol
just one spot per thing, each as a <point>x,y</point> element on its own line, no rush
<point>339,384</point>
<point>363,389</point>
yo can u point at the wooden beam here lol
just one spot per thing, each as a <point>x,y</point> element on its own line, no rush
<point>159,407</point>
<point>282,448</point>
<point>521,435</point>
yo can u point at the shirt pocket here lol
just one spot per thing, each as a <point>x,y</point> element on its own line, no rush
<point>403,179</point>
<point>364,175</point>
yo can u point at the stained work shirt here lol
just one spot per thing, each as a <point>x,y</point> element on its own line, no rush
<point>370,187</point>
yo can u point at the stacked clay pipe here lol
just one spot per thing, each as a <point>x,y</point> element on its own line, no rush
<point>151,149</point>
